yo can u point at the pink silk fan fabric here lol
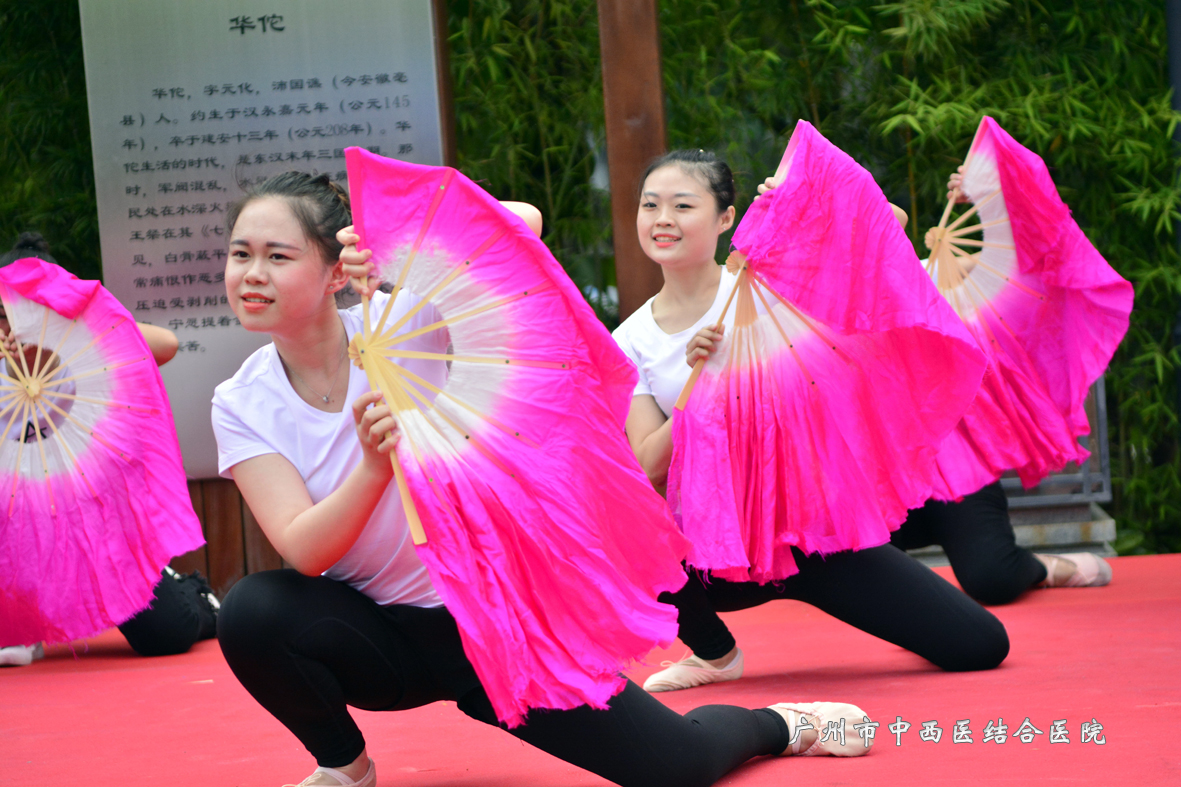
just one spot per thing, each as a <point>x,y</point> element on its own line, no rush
<point>1047,310</point>
<point>816,426</point>
<point>544,538</point>
<point>94,499</point>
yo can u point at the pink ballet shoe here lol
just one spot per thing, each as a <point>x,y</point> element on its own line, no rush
<point>833,722</point>
<point>1090,571</point>
<point>330,777</point>
<point>21,655</point>
<point>692,672</point>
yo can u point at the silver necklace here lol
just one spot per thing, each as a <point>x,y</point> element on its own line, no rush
<point>335,376</point>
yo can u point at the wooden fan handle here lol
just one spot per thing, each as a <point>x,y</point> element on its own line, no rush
<point>683,399</point>
<point>412,518</point>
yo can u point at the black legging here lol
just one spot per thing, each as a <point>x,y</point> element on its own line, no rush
<point>882,591</point>
<point>307,647</point>
<point>978,538</point>
<point>176,618</point>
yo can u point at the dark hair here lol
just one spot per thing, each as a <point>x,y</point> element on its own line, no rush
<point>29,244</point>
<point>320,206</point>
<point>714,172</point>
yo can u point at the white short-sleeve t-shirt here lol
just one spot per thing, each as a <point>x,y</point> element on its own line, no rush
<point>660,357</point>
<point>257,412</point>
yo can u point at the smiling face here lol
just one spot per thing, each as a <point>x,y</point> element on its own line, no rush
<point>678,221</point>
<point>276,277</point>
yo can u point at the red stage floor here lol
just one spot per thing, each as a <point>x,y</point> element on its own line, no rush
<point>109,717</point>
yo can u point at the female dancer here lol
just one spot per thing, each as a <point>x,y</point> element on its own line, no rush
<point>978,537</point>
<point>183,609</point>
<point>686,202</point>
<point>358,621</point>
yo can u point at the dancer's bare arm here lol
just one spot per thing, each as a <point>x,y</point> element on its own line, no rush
<point>313,536</point>
<point>161,341</point>
<point>650,434</point>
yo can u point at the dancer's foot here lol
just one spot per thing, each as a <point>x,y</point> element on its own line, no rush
<point>21,655</point>
<point>1075,570</point>
<point>692,671</point>
<point>824,728</point>
<point>361,772</point>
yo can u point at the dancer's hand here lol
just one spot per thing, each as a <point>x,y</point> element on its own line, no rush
<point>702,346</point>
<point>766,186</point>
<point>954,183</point>
<point>49,359</point>
<point>8,338</point>
<point>530,214</point>
<point>377,430</point>
<point>356,264</point>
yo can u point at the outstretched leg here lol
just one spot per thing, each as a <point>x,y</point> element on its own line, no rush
<point>639,741</point>
<point>308,647</point>
<point>886,593</point>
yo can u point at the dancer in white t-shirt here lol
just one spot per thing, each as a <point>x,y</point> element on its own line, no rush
<point>183,608</point>
<point>977,536</point>
<point>358,621</point>
<point>686,203</point>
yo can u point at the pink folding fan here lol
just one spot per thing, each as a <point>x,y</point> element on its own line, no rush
<point>815,423</point>
<point>1042,304</point>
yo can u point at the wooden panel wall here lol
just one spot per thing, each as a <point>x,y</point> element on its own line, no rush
<point>235,545</point>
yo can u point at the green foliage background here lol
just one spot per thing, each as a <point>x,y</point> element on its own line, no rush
<point>901,86</point>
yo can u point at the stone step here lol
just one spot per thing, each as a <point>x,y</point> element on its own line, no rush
<point>1076,528</point>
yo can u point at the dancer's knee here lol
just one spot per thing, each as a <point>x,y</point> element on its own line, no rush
<point>152,634</point>
<point>253,608</point>
<point>985,649</point>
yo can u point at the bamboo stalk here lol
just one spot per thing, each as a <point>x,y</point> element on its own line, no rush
<point>442,392</point>
<point>967,214</point>
<point>977,227</point>
<point>75,356</point>
<point>61,441</point>
<point>103,402</point>
<point>467,435</point>
<point>20,452</point>
<point>426,224</point>
<point>799,315</point>
<point>1027,290</point>
<point>429,297</point>
<point>88,430</point>
<point>15,403</point>
<point>412,519</point>
<point>790,345</point>
<point>91,373</point>
<point>44,462</point>
<point>402,337</point>
<point>475,359</point>
<point>984,244</point>
<point>41,342</point>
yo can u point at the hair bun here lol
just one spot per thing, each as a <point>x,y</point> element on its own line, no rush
<point>32,241</point>
<point>340,193</point>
